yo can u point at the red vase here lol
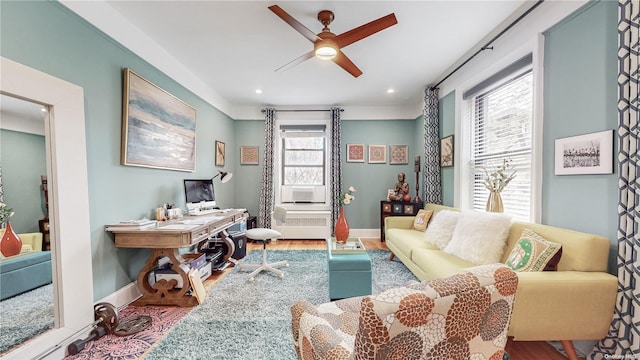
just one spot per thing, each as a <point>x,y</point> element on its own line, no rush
<point>10,244</point>
<point>342,227</point>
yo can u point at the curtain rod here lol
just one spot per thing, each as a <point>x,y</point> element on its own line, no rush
<point>312,110</point>
<point>486,46</point>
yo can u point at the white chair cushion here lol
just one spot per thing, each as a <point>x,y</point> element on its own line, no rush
<point>263,234</point>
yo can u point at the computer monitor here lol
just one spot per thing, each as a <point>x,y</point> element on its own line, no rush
<point>199,195</point>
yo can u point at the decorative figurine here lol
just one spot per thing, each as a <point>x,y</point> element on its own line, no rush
<point>401,190</point>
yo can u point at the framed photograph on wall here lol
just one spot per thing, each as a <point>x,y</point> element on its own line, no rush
<point>446,151</point>
<point>355,152</point>
<point>584,154</point>
<point>398,154</point>
<point>249,155</point>
<point>377,154</point>
<point>158,129</point>
<point>219,153</point>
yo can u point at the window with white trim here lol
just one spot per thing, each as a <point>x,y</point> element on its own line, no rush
<point>502,129</point>
<point>303,164</point>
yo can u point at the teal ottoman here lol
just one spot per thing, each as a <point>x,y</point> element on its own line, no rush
<point>349,275</point>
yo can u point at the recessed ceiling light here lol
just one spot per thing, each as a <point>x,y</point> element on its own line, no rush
<point>258,91</point>
<point>390,91</point>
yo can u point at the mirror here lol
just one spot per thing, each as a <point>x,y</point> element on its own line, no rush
<point>68,205</point>
<point>26,289</point>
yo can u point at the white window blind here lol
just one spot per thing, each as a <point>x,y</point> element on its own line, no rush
<point>303,155</point>
<point>502,129</point>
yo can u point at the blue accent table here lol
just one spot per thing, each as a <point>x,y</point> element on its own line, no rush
<point>349,274</point>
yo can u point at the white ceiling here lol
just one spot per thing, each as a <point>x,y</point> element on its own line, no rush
<point>225,50</point>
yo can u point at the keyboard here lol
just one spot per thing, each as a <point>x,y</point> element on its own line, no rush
<point>203,212</point>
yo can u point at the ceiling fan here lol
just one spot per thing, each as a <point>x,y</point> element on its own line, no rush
<point>327,45</point>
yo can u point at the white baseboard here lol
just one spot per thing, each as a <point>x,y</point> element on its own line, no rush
<point>365,233</point>
<point>122,297</point>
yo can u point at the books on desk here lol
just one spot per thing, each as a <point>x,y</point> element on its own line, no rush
<point>132,225</point>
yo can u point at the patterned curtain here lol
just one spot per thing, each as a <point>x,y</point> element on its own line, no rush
<point>336,164</point>
<point>432,186</point>
<point>623,338</point>
<point>267,189</point>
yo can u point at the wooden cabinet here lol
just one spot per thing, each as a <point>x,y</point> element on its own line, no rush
<point>397,208</point>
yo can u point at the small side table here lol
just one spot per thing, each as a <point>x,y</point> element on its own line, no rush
<point>349,274</point>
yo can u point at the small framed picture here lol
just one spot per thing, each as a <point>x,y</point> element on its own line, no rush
<point>398,154</point>
<point>355,152</point>
<point>219,153</point>
<point>377,154</point>
<point>446,151</point>
<point>249,155</point>
<point>585,154</point>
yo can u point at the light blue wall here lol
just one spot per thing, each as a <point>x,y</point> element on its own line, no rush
<point>23,161</point>
<point>48,37</point>
<point>446,117</point>
<point>580,94</point>
<point>247,178</point>
<point>580,69</point>
<point>373,180</point>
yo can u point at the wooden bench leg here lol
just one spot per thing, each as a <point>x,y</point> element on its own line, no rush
<point>391,256</point>
<point>569,349</point>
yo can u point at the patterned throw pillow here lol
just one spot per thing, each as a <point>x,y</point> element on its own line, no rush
<point>534,253</point>
<point>422,219</point>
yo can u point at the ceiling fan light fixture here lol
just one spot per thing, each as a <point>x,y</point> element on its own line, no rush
<point>326,51</point>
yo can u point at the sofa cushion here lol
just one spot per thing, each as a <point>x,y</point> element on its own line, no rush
<point>406,240</point>
<point>436,264</point>
<point>479,237</point>
<point>441,228</point>
<point>422,219</point>
<point>533,253</point>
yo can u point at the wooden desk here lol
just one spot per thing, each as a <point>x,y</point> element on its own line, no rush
<point>166,240</point>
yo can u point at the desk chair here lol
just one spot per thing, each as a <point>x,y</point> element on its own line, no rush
<point>265,235</point>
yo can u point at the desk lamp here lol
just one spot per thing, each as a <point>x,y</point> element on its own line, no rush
<point>224,176</point>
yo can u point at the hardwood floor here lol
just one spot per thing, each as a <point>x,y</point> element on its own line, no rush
<point>518,350</point>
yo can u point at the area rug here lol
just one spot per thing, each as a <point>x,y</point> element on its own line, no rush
<point>111,347</point>
<point>243,320</point>
<point>25,316</point>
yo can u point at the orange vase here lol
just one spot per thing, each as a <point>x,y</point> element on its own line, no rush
<point>342,227</point>
<point>10,244</point>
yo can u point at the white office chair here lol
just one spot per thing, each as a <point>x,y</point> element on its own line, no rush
<point>265,235</point>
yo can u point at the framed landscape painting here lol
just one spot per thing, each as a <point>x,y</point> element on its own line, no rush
<point>585,154</point>
<point>158,129</point>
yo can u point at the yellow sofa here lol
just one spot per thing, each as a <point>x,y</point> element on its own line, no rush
<point>576,302</point>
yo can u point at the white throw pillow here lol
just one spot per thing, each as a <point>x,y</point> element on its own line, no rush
<point>441,228</point>
<point>479,237</point>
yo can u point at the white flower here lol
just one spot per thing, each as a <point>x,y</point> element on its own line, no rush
<point>5,212</point>
<point>348,197</point>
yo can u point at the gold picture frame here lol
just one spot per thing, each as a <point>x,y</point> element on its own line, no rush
<point>219,153</point>
<point>158,129</point>
<point>249,155</point>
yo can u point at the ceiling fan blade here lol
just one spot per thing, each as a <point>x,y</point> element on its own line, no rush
<point>365,30</point>
<point>294,23</point>
<point>295,62</point>
<point>344,62</point>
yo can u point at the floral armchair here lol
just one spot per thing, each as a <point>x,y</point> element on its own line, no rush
<point>461,317</point>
